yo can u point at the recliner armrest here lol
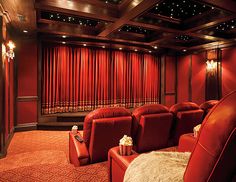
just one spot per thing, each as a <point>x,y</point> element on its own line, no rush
<point>187,142</point>
<point>118,164</point>
<point>78,152</point>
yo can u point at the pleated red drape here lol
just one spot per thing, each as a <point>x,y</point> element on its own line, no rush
<point>82,79</point>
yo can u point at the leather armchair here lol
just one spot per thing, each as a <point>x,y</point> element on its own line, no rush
<point>103,129</point>
<point>151,127</point>
<point>213,156</point>
<point>186,116</point>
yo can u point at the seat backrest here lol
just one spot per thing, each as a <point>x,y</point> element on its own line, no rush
<point>105,134</point>
<point>186,116</point>
<point>214,155</point>
<point>103,128</point>
<point>152,126</point>
<point>207,106</point>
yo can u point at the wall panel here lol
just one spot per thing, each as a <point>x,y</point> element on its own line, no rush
<point>183,65</point>
<point>27,81</point>
<point>26,112</point>
<point>170,80</point>
<point>228,70</point>
<point>198,77</point>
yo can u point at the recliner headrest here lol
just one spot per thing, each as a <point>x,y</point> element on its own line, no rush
<point>184,106</point>
<point>108,112</point>
<point>150,109</point>
<point>208,104</point>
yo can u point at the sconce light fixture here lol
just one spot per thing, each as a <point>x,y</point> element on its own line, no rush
<point>10,53</point>
<point>211,66</point>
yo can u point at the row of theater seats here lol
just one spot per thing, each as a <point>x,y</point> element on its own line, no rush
<point>152,127</point>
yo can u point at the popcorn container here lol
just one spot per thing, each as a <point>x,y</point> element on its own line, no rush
<point>121,149</point>
<point>129,149</point>
<point>125,145</point>
<point>125,150</point>
<point>74,130</point>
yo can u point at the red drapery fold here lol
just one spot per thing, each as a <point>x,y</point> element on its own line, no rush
<point>82,79</point>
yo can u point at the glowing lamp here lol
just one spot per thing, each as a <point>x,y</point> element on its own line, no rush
<point>10,53</point>
<point>211,66</point>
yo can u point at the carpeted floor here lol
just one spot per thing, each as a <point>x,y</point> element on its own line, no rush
<point>43,156</point>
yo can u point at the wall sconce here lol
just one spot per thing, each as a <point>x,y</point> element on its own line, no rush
<point>10,53</point>
<point>211,66</point>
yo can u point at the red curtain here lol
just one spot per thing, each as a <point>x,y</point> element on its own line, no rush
<point>82,79</point>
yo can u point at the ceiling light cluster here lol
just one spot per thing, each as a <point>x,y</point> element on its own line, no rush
<point>226,26</point>
<point>183,37</point>
<point>103,46</point>
<point>180,9</point>
<point>134,29</point>
<point>69,19</point>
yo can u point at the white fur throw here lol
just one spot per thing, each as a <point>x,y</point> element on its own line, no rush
<point>157,166</point>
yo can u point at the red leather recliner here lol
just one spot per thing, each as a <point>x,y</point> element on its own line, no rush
<point>151,127</point>
<point>207,106</point>
<point>103,128</point>
<point>188,141</point>
<point>213,158</point>
<point>186,116</point>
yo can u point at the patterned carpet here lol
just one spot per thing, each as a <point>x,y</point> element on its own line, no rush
<point>43,156</point>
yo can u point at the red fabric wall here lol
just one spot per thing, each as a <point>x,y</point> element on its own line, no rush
<point>228,70</point>
<point>183,78</point>
<point>198,77</point>
<point>27,81</point>
<point>81,79</point>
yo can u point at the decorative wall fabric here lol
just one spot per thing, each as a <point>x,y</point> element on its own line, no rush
<point>82,79</point>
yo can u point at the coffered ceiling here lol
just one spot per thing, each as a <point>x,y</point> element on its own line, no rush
<point>147,25</point>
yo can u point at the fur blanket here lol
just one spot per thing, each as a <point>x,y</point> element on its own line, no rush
<point>157,166</point>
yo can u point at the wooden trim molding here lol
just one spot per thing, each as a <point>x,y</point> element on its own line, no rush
<point>27,98</point>
<point>5,147</point>
<point>26,127</point>
<point>170,93</point>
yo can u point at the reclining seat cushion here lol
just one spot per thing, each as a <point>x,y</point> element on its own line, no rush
<point>184,117</point>
<point>98,114</point>
<point>154,131</point>
<point>145,110</point>
<point>187,116</point>
<point>105,134</point>
<point>216,147</point>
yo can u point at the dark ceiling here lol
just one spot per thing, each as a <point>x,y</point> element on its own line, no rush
<point>147,25</point>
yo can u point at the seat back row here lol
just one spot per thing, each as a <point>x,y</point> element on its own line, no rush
<point>152,127</point>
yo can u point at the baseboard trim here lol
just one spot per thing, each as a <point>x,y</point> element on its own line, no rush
<point>4,151</point>
<point>26,127</point>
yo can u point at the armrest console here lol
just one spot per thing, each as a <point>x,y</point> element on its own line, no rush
<point>78,152</point>
<point>187,143</point>
<point>118,164</point>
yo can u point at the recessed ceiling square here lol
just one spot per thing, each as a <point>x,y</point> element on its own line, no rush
<point>54,16</point>
<point>134,29</point>
<point>180,9</point>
